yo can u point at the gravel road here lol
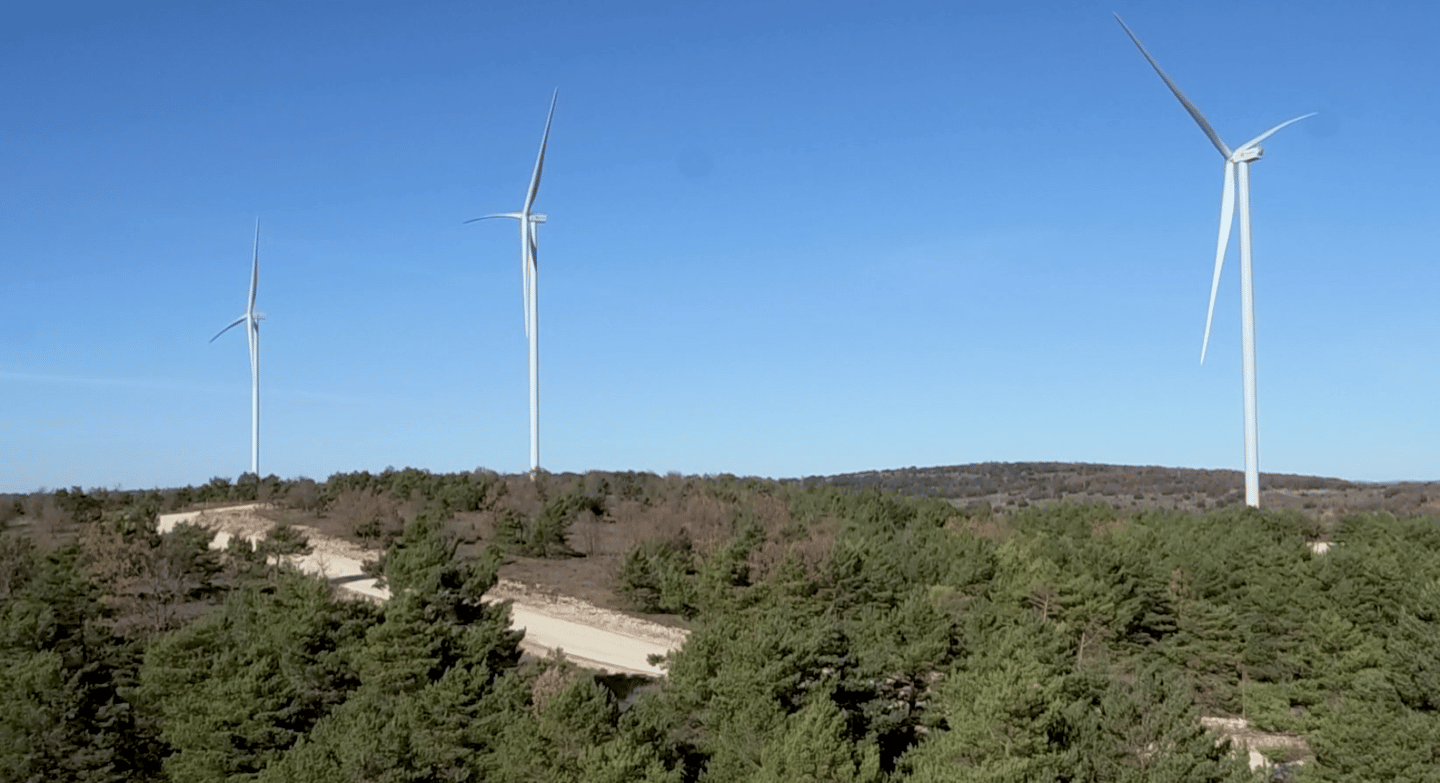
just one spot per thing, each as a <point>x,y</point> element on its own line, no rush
<point>588,635</point>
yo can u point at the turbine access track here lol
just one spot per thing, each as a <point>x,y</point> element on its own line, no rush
<point>586,634</point>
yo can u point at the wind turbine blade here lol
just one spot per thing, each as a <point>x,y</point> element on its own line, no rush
<point>515,215</point>
<point>232,325</point>
<point>526,282</point>
<point>1227,214</point>
<point>524,269</point>
<point>254,269</point>
<point>1267,134</point>
<point>1190,107</point>
<point>534,262</point>
<point>540,160</point>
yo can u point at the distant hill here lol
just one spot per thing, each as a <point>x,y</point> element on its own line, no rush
<point>1010,485</point>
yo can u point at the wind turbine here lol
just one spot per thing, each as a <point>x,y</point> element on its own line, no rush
<point>1237,166</point>
<point>252,321</point>
<point>528,271</point>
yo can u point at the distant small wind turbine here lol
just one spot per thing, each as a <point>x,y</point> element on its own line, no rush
<point>529,269</point>
<point>252,320</point>
<point>1237,164</point>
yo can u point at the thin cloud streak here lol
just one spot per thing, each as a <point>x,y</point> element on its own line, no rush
<point>158,385</point>
<point>115,383</point>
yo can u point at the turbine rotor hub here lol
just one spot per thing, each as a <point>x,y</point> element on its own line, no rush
<point>1247,154</point>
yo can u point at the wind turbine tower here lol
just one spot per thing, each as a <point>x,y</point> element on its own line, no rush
<point>1237,167</point>
<point>252,320</point>
<point>529,269</point>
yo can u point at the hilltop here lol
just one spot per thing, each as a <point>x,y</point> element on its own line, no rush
<point>1010,485</point>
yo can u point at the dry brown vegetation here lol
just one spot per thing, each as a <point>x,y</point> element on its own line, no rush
<point>1009,485</point>
<point>617,511</point>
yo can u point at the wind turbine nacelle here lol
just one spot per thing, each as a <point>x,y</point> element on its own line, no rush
<point>1248,154</point>
<point>537,218</point>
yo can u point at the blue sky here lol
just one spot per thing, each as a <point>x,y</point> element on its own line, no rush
<point>785,239</point>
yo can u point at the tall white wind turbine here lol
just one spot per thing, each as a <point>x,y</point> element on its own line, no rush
<point>252,319</point>
<point>1237,166</point>
<point>529,269</point>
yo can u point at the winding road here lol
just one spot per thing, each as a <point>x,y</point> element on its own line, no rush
<point>589,635</point>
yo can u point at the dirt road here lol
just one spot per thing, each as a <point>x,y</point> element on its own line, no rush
<point>589,635</point>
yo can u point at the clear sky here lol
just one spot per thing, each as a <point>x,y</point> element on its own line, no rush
<point>785,238</point>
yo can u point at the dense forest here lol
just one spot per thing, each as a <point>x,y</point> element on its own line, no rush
<point>836,634</point>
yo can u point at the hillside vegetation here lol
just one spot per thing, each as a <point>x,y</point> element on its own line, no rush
<point>836,633</point>
<point>1008,485</point>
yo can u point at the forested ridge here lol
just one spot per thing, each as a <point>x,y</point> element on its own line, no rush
<point>1132,487</point>
<point>836,634</point>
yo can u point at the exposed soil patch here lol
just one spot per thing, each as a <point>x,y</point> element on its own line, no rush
<point>590,576</point>
<point>1260,746</point>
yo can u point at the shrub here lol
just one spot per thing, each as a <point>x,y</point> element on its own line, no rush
<point>546,534</point>
<point>659,576</point>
